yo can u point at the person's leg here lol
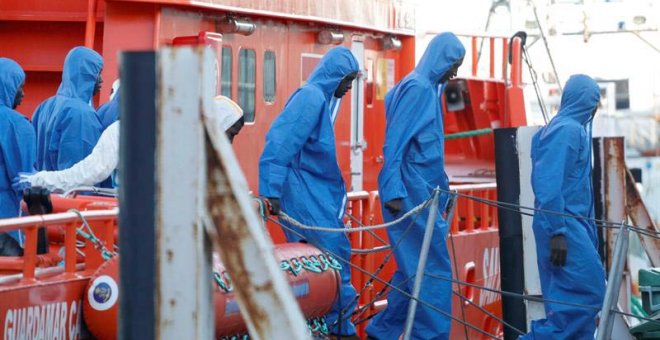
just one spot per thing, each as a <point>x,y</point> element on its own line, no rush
<point>430,323</point>
<point>388,324</point>
<point>581,281</point>
<point>9,246</point>
<point>337,245</point>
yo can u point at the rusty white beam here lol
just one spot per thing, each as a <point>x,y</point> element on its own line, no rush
<point>613,187</point>
<point>183,271</point>
<point>641,218</point>
<point>264,296</point>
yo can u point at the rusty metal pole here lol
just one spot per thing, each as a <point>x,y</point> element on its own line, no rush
<point>264,296</point>
<point>183,289</point>
<point>641,217</point>
<point>611,186</point>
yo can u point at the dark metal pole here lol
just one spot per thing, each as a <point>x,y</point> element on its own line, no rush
<point>510,230</point>
<point>137,195</point>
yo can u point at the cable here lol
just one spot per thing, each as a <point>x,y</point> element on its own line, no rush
<point>404,293</point>
<point>386,259</point>
<point>535,83</point>
<point>515,208</point>
<point>462,297</point>
<point>636,316</point>
<point>359,223</point>
<point>511,294</point>
<point>453,251</point>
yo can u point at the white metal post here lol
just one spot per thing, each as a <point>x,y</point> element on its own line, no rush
<point>535,310</point>
<point>183,282</point>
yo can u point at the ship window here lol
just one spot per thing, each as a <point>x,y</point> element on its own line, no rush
<point>247,62</point>
<point>622,94</point>
<point>225,81</point>
<point>269,77</point>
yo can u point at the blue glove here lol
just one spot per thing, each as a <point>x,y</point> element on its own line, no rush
<point>21,182</point>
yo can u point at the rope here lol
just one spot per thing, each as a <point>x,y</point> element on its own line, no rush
<point>370,251</point>
<point>359,223</point>
<point>413,211</point>
<point>384,247</point>
<point>470,133</point>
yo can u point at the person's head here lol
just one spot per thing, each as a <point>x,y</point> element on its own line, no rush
<point>12,79</point>
<point>335,72</point>
<point>20,94</point>
<point>229,116</point>
<point>97,86</point>
<point>580,98</point>
<point>81,77</point>
<point>235,129</point>
<point>345,85</point>
<point>442,58</point>
<point>453,71</point>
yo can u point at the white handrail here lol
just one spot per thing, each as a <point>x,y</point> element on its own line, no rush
<point>18,223</point>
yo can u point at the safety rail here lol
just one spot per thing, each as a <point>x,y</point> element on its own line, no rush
<point>100,220</point>
<point>363,209</point>
<point>467,217</point>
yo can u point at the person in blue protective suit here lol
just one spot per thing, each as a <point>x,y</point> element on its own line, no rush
<point>66,125</point>
<point>413,167</point>
<point>298,170</point>
<point>104,159</point>
<point>17,148</point>
<point>108,113</point>
<point>570,268</point>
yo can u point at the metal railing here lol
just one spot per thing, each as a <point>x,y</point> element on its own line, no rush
<point>371,247</point>
<point>101,220</point>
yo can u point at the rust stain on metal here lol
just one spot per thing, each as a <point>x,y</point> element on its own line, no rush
<point>226,215</point>
<point>614,199</point>
<point>641,218</point>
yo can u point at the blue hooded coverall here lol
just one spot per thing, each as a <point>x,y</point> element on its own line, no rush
<point>299,166</point>
<point>561,180</point>
<point>17,139</point>
<point>108,113</point>
<point>66,125</point>
<point>413,167</point>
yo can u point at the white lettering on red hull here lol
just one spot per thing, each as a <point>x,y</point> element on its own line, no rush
<point>491,272</point>
<point>54,321</point>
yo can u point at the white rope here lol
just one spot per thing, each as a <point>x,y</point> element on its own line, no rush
<point>413,211</point>
<point>371,250</point>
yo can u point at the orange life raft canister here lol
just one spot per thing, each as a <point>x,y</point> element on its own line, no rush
<point>312,275</point>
